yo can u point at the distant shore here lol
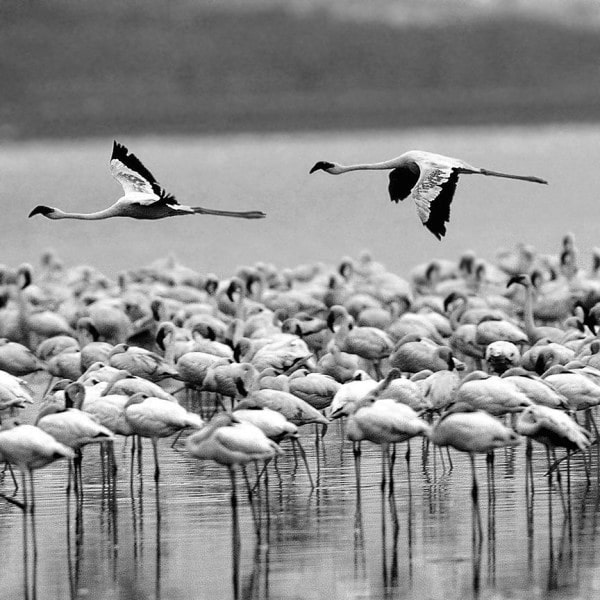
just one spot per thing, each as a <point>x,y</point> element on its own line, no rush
<point>82,70</point>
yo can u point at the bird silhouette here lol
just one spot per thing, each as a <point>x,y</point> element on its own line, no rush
<point>429,179</point>
<point>144,197</point>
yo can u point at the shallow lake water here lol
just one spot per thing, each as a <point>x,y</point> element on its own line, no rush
<point>302,542</point>
<point>299,542</point>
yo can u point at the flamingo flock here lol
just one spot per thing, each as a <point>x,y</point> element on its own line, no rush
<point>469,359</point>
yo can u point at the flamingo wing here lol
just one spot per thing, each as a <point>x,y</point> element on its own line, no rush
<point>433,195</point>
<point>402,181</point>
<point>136,180</point>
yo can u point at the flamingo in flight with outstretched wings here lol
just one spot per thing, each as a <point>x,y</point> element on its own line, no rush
<point>144,197</point>
<point>429,179</point>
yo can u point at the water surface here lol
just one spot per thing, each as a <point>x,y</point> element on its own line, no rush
<point>310,217</point>
<point>303,543</point>
<point>318,543</point>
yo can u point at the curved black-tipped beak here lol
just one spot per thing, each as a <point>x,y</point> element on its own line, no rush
<point>331,320</point>
<point>449,300</point>
<point>322,165</point>
<point>231,289</point>
<point>41,210</point>
<point>516,279</point>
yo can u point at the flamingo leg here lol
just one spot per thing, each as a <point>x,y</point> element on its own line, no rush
<point>317,452</point>
<point>25,536</point>
<point>78,477</point>
<point>391,495</point>
<point>529,487</point>
<point>176,438</point>
<point>12,474</point>
<point>250,491</point>
<point>139,455</point>
<point>235,538</point>
<point>131,465</point>
<point>14,501</point>
<point>33,527</point>
<point>357,454</point>
<point>491,475</point>
<point>475,496</point>
<point>383,469</point>
<point>441,451</point>
<point>392,461</point>
<point>155,451</point>
<point>263,470</point>
<point>559,483</point>
<point>305,460</point>
<point>449,459</point>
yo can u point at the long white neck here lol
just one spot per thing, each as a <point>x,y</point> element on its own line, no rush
<point>95,216</point>
<point>388,164</point>
<point>528,320</point>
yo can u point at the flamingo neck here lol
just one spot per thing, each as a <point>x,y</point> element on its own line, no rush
<point>457,313</point>
<point>388,164</point>
<point>528,321</point>
<point>95,216</point>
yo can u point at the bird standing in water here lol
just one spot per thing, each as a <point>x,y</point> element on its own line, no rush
<point>429,179</point>
<point>144,197</point>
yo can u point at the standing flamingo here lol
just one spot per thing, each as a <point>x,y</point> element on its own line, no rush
<point>73,428</point>
<point>155,418</point>
<point>429,179</point>
<point>230,442</point>
<point>474,432</point>
<point>28,448</point>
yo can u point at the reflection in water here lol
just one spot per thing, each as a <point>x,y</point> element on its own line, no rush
<point>235,535</point>
<point>138,520</point>
<point>29,532</point>
<point>408,524</point>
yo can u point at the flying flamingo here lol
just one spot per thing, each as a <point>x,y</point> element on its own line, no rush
<point>144,197</point>
<point>429,179</point>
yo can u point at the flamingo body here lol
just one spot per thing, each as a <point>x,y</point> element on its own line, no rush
<point>230,442</point>
<point>28,447</point>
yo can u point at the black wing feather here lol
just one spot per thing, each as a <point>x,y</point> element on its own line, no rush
<point>439,209</point>
<point>132,162</point>
<point>402,180</point>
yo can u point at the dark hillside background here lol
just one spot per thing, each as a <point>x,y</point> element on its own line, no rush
<point>94,68</point>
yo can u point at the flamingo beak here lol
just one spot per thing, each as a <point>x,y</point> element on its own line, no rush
<point>41,210</point>
<point>321,166</point>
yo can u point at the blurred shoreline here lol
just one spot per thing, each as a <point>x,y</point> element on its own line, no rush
<point>85,70</point>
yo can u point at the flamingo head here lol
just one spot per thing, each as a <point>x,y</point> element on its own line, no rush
<point>522,279</point>
<point>47,211</point>
<point>326,166</point>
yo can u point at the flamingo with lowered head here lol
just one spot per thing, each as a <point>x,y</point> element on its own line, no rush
<point>28,448</point>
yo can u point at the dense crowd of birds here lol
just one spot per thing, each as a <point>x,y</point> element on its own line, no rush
<point>468,354</point>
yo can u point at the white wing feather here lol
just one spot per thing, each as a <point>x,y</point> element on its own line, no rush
<point>131,181</point>
<point>435,169</point>
<point>429,186</point>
